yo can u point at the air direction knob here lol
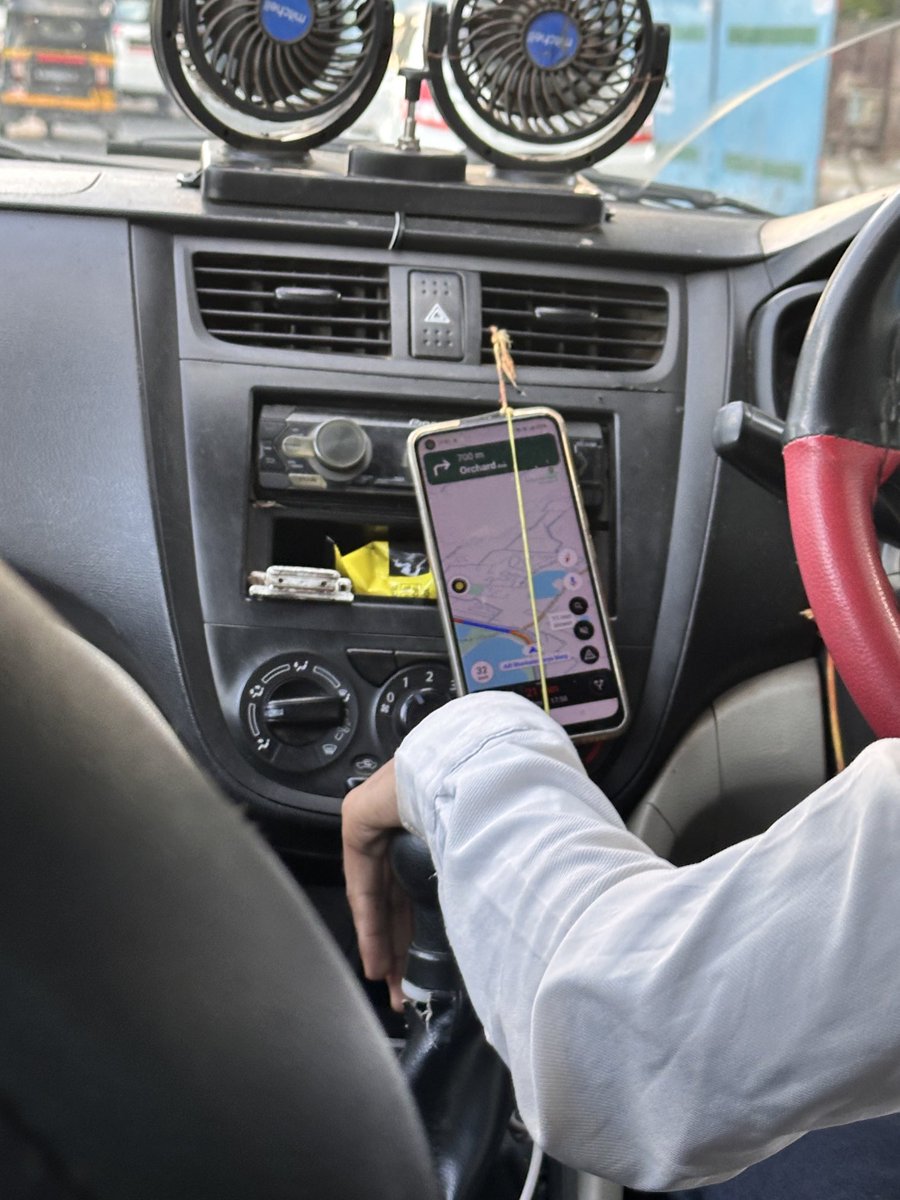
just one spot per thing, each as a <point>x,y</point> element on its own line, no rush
<point>297,713</point>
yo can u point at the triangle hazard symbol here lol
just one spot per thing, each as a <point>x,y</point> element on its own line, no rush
<point>437,316</point>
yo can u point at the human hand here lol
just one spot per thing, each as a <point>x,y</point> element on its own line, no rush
<point>381,909</point>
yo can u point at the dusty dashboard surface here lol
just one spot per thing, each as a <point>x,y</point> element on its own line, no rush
<point>167,453</point>
<point>203,384</point>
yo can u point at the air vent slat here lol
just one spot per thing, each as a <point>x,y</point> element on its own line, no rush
<point>584,341</point>
<point>627,330</point>
<point>598,363</point>
<point>580,298</point>
<point>248,317</point>
<point>541,326</point>
<point>287,272</point>
<point>295,341</point>
<point>236,295</point>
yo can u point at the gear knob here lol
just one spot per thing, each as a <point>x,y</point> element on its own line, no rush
<point>430,966</point>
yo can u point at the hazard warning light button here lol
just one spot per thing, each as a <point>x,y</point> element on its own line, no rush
<point>436,314</point>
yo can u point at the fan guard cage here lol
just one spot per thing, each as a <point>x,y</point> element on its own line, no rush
<point>268,76</point>
<point>545,85</point>
<point>279,74</point>
<point>549,73</point>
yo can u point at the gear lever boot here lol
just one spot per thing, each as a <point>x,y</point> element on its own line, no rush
<point>460,1084</point>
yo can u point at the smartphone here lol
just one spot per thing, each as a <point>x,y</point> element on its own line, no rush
<point>465,485</point>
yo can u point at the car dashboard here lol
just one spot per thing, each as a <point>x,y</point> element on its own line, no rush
<point>151,386</point>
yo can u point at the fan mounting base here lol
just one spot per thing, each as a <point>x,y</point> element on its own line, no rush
<point>391,162</point>
<point>321,181</point>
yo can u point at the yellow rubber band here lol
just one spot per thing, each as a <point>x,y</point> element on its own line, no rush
<point>506,370</point>
<point>834,720</point>
<point>545,695</point>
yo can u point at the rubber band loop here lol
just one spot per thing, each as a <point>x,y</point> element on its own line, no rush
<point>506,370</point>
<point>545,695</point>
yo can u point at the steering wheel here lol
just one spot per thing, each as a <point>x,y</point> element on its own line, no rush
<point>842,442</point>
<point>174,1020</point>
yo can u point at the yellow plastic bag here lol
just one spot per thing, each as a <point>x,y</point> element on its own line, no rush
<point>379,569</point>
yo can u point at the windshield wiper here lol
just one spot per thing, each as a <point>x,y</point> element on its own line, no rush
<point>10,149</point>
<point>671,195</point>
<point>28,152</point>
<point>158,147</point>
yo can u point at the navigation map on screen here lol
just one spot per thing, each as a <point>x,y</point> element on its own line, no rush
<point>470,490</point>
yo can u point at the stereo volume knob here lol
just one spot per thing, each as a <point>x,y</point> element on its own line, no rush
<point>341,447</point>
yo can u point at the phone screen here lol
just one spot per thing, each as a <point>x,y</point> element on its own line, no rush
<point>469,491</point>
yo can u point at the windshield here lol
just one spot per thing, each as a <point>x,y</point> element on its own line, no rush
<point>52,32</point>
<point>823,131</point>
<point>134,12</point>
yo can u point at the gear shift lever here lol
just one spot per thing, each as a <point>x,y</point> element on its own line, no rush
<point>461,1086</point>
<point>430,965</point>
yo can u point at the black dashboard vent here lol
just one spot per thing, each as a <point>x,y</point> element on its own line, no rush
<point>320,306</point>
<point>587,325</point>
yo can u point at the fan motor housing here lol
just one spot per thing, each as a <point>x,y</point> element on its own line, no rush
<point>286,21</point>
<point>552,39</point>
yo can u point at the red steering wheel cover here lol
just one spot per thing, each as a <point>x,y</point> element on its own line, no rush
<point>831,487</point>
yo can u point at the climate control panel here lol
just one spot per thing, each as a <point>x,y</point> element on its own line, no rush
<point>324,724</point>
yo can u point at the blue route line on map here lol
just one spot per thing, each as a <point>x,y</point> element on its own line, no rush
<point>482,625</point>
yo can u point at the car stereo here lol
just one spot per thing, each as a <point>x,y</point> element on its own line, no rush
<point>321,450</point>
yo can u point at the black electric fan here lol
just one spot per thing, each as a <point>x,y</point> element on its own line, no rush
<point>547,85</point>
<point>273,75</point>
<point>532,85</point>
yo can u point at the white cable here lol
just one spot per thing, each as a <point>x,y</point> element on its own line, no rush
<point>534,1170</point>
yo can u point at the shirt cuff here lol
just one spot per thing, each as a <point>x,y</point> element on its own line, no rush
<point>455,733</point>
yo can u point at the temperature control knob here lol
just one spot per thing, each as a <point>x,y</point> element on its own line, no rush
<point>297,713</point>
<point>408,697</point>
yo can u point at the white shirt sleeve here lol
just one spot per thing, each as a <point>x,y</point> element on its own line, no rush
<point>664,1027</point>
